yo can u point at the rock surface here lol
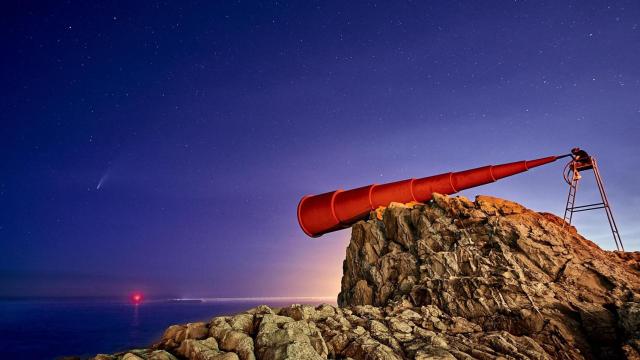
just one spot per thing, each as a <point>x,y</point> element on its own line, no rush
<point>452,279</point>
<point>503,267</point>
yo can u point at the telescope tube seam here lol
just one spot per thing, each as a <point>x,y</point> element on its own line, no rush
<point>491,173</point>
<point>413,195</point>
<point>451,183</point>
<point>333,206</point>
<point>371,196</point>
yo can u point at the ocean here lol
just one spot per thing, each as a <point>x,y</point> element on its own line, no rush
<point>50,329</point>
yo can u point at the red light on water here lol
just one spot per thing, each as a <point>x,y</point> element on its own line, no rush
<point>136,298</point>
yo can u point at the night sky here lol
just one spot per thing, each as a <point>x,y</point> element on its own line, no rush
<point>164,147</point>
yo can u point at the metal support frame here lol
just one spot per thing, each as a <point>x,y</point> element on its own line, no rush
<point>572,176</point>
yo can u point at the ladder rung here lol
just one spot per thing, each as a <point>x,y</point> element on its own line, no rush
<point>595,208</point>
<point>594,204</point>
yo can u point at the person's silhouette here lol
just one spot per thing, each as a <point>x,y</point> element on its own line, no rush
<point>581,157</point>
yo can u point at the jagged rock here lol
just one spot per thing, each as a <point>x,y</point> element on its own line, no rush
<point>131,356</point>
<point>299,312</point>
<point>196,331</point>
<point>281,337</point>
<point>493,265</point>
<point>629,315</point>
<point>161,355</point>
<point>238,342</point>
<point>452,279</point>
<point>204,350</point>
<point>242,322</point>
<point>173,336</point>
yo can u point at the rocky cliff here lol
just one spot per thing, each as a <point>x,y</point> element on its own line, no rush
<point>452,279</point>
<point>503,268</point>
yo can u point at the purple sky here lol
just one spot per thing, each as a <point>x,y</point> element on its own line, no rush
<point>164,148</point>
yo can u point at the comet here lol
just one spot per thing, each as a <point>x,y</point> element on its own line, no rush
<point>103,179</point>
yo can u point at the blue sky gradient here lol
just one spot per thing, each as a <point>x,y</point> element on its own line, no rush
<point>205,122</point>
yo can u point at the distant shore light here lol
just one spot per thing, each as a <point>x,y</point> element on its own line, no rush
<point>136,298</point>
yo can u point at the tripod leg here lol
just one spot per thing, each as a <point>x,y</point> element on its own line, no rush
<point>607,208</point>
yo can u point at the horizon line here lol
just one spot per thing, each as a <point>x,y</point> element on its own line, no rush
<point>165,297</point>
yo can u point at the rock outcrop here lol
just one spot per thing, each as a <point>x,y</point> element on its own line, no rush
<point>501,266</point>
<point>452,279</point>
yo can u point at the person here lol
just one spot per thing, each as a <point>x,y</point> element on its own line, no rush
<point>580,157</point>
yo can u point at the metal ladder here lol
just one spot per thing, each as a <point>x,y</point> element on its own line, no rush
<point>574,168</point>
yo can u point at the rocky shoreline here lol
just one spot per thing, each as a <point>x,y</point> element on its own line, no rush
<point>451,279</point>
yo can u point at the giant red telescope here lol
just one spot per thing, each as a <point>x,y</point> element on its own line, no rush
<point>335,210</point>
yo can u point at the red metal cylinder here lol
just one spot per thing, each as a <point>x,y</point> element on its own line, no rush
<point>320,214</point>
<point>350,204</point>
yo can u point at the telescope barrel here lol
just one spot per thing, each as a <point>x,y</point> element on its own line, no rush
<point>335,210</point>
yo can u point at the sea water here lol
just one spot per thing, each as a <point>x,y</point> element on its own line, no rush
<point>49,329</point>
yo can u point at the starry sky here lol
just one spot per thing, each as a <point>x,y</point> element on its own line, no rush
<point>163,147</point>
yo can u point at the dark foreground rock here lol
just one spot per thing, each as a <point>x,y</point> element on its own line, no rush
<point>452,279</point>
